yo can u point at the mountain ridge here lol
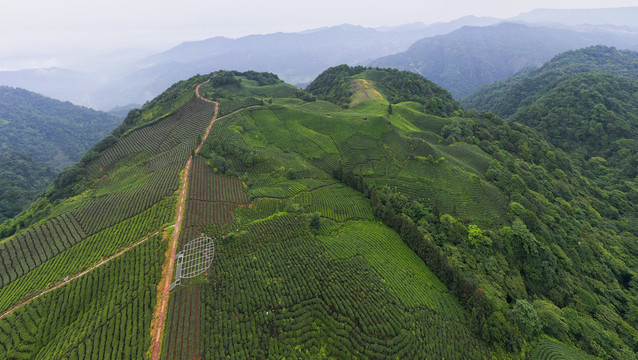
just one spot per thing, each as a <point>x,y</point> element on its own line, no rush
<point>591,59</point>
<point>500,237</point>
<point>463,60</point>
<point>40,136</point>
<point>145,81</point>
<point>583,101</point>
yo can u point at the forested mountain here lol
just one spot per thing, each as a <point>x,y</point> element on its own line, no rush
<point>55,132</point>
<point>467,58</point>
<point>38,137</point>
<point>22,179</point>
<point>336,85</point>
<point>505,97</point>
<point>583,101</point>
<point>378,224</point>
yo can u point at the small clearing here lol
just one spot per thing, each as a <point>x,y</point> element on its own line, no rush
<point>363,91</point>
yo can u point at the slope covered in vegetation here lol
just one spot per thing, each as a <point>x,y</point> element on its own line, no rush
<point>55,132</point>
<point>505,97</point>
<point>510,213</point>
<point>472,56</point>
<point>590,115</point>
<point>536,260</point>
<point>336,85</point>
<point>112,205</point>
<point>316,273</point>
<point>39,137</point>
<point>584,101</point>
<point>22,179</point>
<point>386,229</point>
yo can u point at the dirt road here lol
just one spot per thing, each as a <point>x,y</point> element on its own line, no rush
<point>160,311</point>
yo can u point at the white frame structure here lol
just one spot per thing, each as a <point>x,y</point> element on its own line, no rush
<point>194,259</point>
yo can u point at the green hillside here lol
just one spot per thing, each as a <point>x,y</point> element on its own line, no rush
<point>465,59</point>
<point>384,223</point>
<point>22,179</point>
<point>497,199</point>
<point>590,115</point>
<point>584,102</point>
<point>505,97</point>
<point>337,86</point>
<point>39,137</point>
<point>55,132</point>
<point>121,196</point>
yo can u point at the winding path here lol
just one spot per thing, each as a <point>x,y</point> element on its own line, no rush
<point>160,311</point>
<point>176,229</point>
<point>171,262</point>
<point>162,305</point>
<point>159,317</point>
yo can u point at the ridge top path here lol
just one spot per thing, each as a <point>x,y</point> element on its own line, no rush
<point>163,304</point>
<point>159,314</point>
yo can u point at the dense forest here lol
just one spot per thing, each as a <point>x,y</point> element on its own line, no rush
<point>39,137</point>
<point>55,132</point>
<point>590,116</point>
<point>472,56</point>
<point>583,101</point>
<point>22,179</point>
<point>505,97</point>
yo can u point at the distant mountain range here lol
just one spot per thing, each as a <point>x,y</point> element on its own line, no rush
<point>583,101</point>
<point>296,57</point>
<point>59,83</point>
<point>469,57</point>
<point>624,16</point>
<point>488,53</point>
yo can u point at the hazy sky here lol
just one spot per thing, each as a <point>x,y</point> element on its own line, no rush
<point>54,27</point>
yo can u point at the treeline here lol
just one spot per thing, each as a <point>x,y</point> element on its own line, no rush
<point>262,78</point>
<point>223,78</point>
<point>331,84</point>
<point>67,181</point>
<point>392,209</point>
<point>161,107</point>
<point>398,86</point>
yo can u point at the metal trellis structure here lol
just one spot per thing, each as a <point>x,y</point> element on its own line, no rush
<point>195,258</point>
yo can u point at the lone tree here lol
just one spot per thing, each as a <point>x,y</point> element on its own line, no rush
<point>315,221</point>
<point>390,109</point>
